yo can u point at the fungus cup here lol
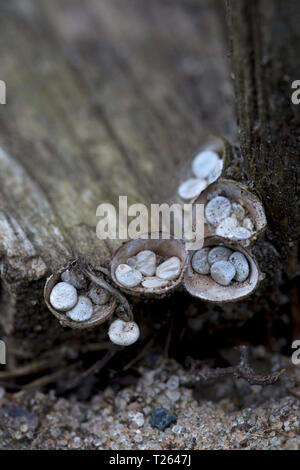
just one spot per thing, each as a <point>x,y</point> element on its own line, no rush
<point>231,210</point>
<point>87,314</point>
<point>171,262</point>
<point>204,287</point>
<point>123,333</point>
<point>155,265</point>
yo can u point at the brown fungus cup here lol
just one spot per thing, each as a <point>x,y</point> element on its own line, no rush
<point>76,300</point>
<point>149,267</point>
<point>232,211</point>
<point>206,288</point>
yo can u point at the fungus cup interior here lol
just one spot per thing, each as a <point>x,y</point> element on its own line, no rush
<point>236,192</point>
<point>205,288</point>
<point>101,313</point>
<point>161,247</point>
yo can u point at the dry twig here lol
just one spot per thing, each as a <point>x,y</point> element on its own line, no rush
<point>94,369</point>
<point>101,280</point>
<point>241,370</point>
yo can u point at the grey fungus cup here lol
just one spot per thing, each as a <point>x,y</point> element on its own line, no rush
<point>157,264</point>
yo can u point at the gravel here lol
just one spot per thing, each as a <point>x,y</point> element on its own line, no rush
<point>223,414</point>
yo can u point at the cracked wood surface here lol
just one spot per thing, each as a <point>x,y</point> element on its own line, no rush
<point>104,98</point>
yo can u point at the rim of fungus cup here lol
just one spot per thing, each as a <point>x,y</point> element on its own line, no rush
<point>164,247</point>
<point>211,142</point>
<point>205,288</point>
<point>101,313</point>
<point>236,192</point>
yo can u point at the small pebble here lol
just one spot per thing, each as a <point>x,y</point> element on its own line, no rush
<point>161,418</point>
<point>123,333</point>
<point>200,262</point>
<point>98,295</point>
<point>63,296</point>
<point>82,311</point>
<point>204,163</point>
<point>127,276</point>
<point>177,429</point>
<point>173,382</point>
<point>240,233</point>
<point>137,418</point>
<point>146,262</point>
<point>138,439</point>
<point>191,188</point>
<point>173,395</point>
<point>24,428</point>
<point>237,211</point>
<point>292,444</point>
<point>169,269</point>
<point>241,265</point>
<point>154,282</point>
<point>225,228</point>
<point>219,253</point>
<point>222,272</point>
<point>21,414</point>
<point>217,209</point>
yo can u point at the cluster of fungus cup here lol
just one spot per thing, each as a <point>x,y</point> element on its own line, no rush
<point>150,266</point>
<point>156,264</point>
<point>80,297</point>
<point>205,167</point>
<point>232,211</point>
<point>222,271</point>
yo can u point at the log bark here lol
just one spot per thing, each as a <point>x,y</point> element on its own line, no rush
<point>104,98</point>
<point>265,43</point>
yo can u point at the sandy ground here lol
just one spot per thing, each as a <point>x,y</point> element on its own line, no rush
<point>224,414</point>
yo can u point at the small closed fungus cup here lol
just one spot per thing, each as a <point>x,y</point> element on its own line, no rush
<point>204,167</point>
<point>204,287</point>
<point>232,212</point>
<point>86,312</point>
<point>170,258</point>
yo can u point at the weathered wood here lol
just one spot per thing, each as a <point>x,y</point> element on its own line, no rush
<point>104,98</point>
